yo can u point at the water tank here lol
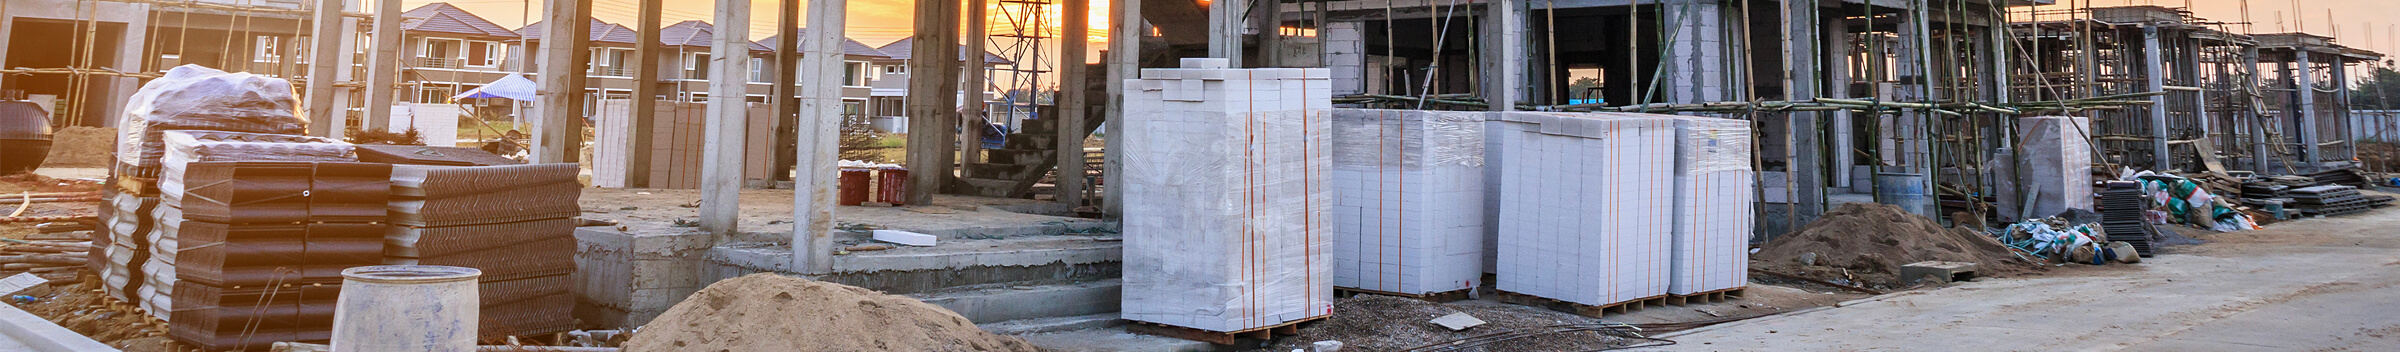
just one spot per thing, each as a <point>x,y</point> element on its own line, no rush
<point>24,137</point>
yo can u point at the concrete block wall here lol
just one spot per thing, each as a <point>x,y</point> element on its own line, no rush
<point>1226,199</point>
<point>676,142</point>
<point>1345,56</point>
<point>625,280</point>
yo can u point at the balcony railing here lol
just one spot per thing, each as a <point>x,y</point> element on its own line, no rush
<point>612,71</point>
<point>437,62</point>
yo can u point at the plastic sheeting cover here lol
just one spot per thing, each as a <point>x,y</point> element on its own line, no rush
<point>1408,211</point>
<point>2054,167</point>
<point>1714,195</point>
<point>192,97</point>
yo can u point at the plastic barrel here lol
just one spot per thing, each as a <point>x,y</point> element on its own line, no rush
<point>24,137</point>
<point>853,187</point>
<point>407,308</point>
<point>891,185</point>
<point>1904,190</point>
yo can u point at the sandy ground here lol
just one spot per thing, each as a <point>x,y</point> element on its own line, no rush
<point>2314,285</point>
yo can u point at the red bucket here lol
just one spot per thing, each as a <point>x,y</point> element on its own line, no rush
<point>853,187</point>
<point>891,185</point>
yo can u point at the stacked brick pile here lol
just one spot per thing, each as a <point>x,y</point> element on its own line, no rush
<point>514,222</point>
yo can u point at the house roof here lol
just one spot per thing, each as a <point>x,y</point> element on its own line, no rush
<point>694,33</point>
<point>849,46</point>
<point>901,49</point>
<point>444,18</point>
<point>602,32</point>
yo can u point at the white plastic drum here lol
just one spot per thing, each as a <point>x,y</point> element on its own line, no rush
<point>406,308</point>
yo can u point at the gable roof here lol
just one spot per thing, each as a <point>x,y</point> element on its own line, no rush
<point>443,18</point>
<point>849,46</point>
<point>602,32</point>
<point>694,33</point>
<point>901,49</point>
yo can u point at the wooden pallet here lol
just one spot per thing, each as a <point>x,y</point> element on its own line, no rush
<point>1705,297</point>
<point>1219,337</point>
<point>1435,297</point>
<point>1582,309</point>
<point>140,186</point>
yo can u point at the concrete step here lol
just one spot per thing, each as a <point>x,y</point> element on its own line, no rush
<point>994,304</point>
<point>1054,324</point>
<point>985,187</point>
<point>951,266</point>
<point>1115,339</point>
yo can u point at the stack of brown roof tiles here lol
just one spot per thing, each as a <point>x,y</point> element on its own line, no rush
<point>513,222</point>
<point>257,254</point>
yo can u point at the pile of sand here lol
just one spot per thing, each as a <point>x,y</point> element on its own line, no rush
<point>768,312</point>
<point>82,146</point>
<point>1866,243</point>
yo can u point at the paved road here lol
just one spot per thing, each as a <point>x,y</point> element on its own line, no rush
<point>2309,285</point>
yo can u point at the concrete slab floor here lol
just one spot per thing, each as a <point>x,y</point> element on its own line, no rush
<point>2316,284</point>
<point>765,214</point>
<point>1114,340</point>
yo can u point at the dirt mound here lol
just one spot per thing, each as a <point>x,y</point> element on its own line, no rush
<point>768,312</point>
<point>1866,243</point>
<point>81,146</point>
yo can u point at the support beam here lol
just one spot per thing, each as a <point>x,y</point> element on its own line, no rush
<point>978,81</point>
<point>1504,55</point>
<point>557,113</point>
<point>1225,26</point>
<point>325,118</point>
<point>819,127</point>
<point>932,99</point>
<point>1838,72</point>
<point>384,61</point>
<point>1124,62</point>
<point>786,90</point>
<point>728,116</point>
<point>2341,117</point>
<point>644,112</point>
<point>2155,80</point>
<point>1073,99</point>
<point>1803,74</point>
<point>2307,129</point>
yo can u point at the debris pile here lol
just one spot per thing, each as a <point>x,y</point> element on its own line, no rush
<point>1864,244</point>
<point>1387,323</point>
<point>769,312</point>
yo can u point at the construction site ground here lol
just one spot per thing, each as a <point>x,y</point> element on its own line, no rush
<point>2325,284</point>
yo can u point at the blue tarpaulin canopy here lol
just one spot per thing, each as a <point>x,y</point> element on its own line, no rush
<point>514,87</point>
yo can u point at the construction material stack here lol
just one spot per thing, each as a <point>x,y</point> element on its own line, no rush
<point>1227,197</point>
<point>1408,201</point>
<point>1713,206</point>
<point>2053,169</point>
<point>514,222</point>
<point>1586,205</point>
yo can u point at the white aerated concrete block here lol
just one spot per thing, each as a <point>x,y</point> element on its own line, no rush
<point>1228,213</point>
<point>1584,204</point>
<point>1408,189</point>
<point>1713,205</point>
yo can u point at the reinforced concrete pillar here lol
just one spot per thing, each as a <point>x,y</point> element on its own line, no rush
<point>2307,130</point>
<point>324,66</point>
<point>644,112</point>
<point>721,149</point>
<point>2155,80</point>
<point>1124,63</point>
<point>558,117</point>
<point>1073,103</point>
<point>932,99</point>
<point>818,128</point>
<point>1503,54</point>
<point>1803,78</point>
<point>383,64</point>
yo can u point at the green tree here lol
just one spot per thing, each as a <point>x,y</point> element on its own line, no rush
<point>2380,90</point>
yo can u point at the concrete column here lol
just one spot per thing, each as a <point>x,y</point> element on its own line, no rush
<point>2308,112</point>
<point>1225,24</point>
<point>384,64</point>
<point>785,76</point>
<point>2155,80</point>
<point>2341,115</point>
<point>1073,103</point>
<point>1803,75</point>
<point>1837,69</point>
<point>2257,123</point>
<point>976,83</point>
<point>556,113</point>
<point>932,99</point>
<point>1124,63</point>
<point>645,94</point>
<point>722,146</point>
<point>323,66</point>
<point>1504,55</point>
<point>819,129</point>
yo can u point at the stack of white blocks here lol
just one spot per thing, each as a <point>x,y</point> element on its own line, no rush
<point>1408,209</point>
<point>1714,186</point>
<point>1227,204</point>
<point>1585,205</point>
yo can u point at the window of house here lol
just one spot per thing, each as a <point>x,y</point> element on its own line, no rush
<point>761,99</point>
<point>266,50</point>
<point>698,97</point>
<point>611,62</point>
<point>854,108</point>
<point>854,74</point>
<point>758,69</point>
<point>483,54</point>
<point>695,66</point>
<point>441,53</point>
<point>895,69</point>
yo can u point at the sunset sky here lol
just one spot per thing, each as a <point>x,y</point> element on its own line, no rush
<point>873,22</point>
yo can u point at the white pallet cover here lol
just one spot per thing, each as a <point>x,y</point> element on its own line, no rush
<point>1408,200</point>
<point>1585,205</point>
<point>1714,193</point>
<point>1226,215</point>
<point>2054,167</point>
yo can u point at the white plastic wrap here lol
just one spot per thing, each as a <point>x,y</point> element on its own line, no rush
<point>1585,205</point>
<point>1714,217</point>
<point>1408,211</point>
<point>2054,166</point>
<point>191,97</point>
<point>1226,215</point>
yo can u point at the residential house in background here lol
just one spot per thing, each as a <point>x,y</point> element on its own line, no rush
<point>888,108</point>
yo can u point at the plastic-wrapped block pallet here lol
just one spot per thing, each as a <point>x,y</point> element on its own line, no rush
<point>191,97</point>
<point>1585,205</point>
<point>1714,187</point>
<point>1408,200</point>
<point>2054,167</point>
<point>1227,204</point>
